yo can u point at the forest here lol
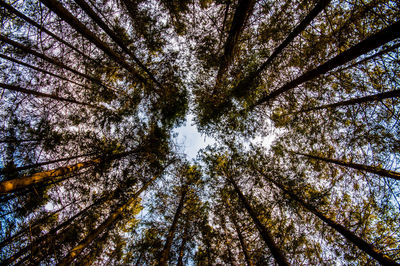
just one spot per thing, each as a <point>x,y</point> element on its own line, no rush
<point>93,94</point>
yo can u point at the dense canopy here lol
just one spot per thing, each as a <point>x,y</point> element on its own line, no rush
<point>301,97</point>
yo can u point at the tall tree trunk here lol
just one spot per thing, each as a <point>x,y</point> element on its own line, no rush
<point>42,70</point>
<point>43,239</point>
<point>170,237</point>
<point>369,98</point>
<point>350,236</point>
<point>121,43</point>
<point>241,239</point>
<point>378,39</point>
<point>65,15</point>
<point>53,61</point>
<point>115,215</point>
<point>14,170</point>
<point>10,186</point>
<point>42,95</point>
<point>370,169</point>
<point>13,10</point>
<point>265,234</point>
<point>249,81</point>
<point>183,244</point>
<point>242,13</point>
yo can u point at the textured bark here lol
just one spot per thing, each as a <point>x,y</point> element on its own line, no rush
<point>241,239</point>
<point>53,61</point>
<point>42,70</point>
<point>43,29</point>
<point>13,170</point>
<point>42,95</point>
<point>51,175</point>
<point>182,247</point>
<point>249,81</point>
<point>265,234</point>
<point>361,167</point>
<point>242,13</point>
<point>121,43</point>
<point>65,15</point>
<point>378,39</point>
<point>366,99</point>
<point>350,236</point>
<point>110,221</point>
<point>170,237</point>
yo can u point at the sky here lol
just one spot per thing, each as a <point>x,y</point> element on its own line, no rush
<point>190,139</point>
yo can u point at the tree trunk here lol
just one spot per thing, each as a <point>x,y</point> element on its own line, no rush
<point>10,186</point>
<point>182,247</point>
<point>42,95</point>
<point>65,15</point>
<point>42,70</point>
<point>121,43</point>
<point>241,239</point>
<point>376,40</point>
<point>170,237</point>
<point>242,12</point>
<point>53,61</point>
<point>369,98</point>
<point>370,169</point>
<point>115,215</point>
<point>14,170</point>
<point>43,29</point>
<point>265,234</point>
<point>248,82</point>
<point>351,237</point>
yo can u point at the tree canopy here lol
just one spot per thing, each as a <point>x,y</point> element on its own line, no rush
<point>301,97</point>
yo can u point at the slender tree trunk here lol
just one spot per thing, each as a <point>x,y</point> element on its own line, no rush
<point>242,13</point>
<point>10,186</point>
<point>378,39</point>
<point>29,227</point>
<point>14,170</point>
<point>65,15</point>
<point>115,215</point>
<point>13,10</point>
<point>369,98</point>
<point>248,82</point>
<point>42,95</point>
<point>182,247</point>
<point>370,169</point>
<point>350,236</point>
<point>241,239</point>
<point>121,43</point>
<point>53,61</point>
<point>170,237</point>
<point>36,243</point>
<point>265,234</point>
<point>42,70</point>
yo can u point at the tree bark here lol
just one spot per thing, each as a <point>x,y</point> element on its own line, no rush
<point>248,82</point>
<point>13,10</point>
<point>170,237</point>
<point>10,186</point>
<point>115,215</point>
<point>376,40</point>
<point>53,61</point>
<point>350,236</point>
<point>265,234</point>
<point>43,95</point>
<point>242,12</point>
<point>182,247</point>
<point>14,170</point>
<point>121,43</point>
<point>65,15</point>
<point>369,98</point>
<point>241,239</point>
<point>361,167</point>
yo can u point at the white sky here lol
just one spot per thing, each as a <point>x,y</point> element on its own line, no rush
<point>190,139</point>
